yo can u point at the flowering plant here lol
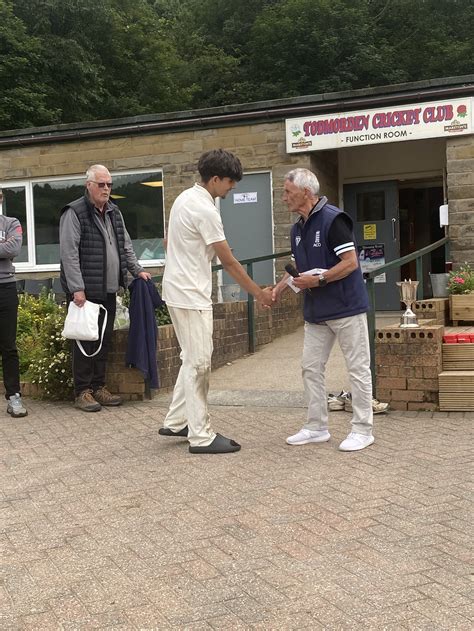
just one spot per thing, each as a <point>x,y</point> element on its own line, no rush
<point>45,356</point>
<point>461,280</point>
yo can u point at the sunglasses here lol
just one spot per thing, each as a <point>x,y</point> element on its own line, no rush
<point>103,184</point>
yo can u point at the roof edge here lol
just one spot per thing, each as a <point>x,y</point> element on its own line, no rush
<point>221,116</point>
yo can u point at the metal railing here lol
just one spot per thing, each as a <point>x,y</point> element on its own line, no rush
<point>250,300</point>
<point>369,277</point>
<point>248,263</point>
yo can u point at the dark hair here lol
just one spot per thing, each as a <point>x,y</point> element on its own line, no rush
<point>221,163</point>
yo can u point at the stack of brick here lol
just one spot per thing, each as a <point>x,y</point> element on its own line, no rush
<point>436,309</point>
<point>407,365</point>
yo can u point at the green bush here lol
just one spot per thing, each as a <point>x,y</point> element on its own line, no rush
<point>45,356</point>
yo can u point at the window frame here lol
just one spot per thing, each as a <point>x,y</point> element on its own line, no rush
<point>31,265</point>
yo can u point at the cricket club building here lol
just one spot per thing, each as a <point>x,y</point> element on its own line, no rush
<point>390,156</point>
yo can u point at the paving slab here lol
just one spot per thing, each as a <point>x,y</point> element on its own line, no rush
<point>107,525</point>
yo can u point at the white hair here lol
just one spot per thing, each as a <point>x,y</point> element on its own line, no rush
<point>304,178</point>
<point>91,171</point>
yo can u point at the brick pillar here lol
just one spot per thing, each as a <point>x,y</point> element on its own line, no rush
<point>460,172</point>
<point>407,365</point>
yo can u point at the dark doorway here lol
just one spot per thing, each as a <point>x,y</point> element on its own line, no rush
<point>419,225</point>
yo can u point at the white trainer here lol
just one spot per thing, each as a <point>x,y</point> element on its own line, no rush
<point>377,406</point>
<point>305,436</point>
<point>336,401</point>
<point>15,406</point>
<point>355,442</point>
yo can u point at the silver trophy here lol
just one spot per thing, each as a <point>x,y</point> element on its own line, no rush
<point>408,297</point>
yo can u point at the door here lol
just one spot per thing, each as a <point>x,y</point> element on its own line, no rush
<point>248,224</point>
<point>373,206</point>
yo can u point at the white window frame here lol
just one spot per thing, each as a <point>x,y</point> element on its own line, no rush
<point>31,265</point>
<point>25,265</point>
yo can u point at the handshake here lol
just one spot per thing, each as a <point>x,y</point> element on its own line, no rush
<point>270,295</point>
<point>298,282</point>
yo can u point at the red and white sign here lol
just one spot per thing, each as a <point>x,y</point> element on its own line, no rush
<point>393,124</point>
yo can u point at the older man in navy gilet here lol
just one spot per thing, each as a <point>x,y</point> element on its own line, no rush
<point>335,307</point>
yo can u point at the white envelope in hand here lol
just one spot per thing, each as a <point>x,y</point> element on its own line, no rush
<point>311,272</point>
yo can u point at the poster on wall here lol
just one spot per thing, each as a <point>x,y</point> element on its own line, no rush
<point>371,257</point>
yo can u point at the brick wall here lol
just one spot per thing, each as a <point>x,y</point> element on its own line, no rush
<point>407,365</point>
<point>460,172</point>
<point>230,342</point>
<point>259,146</point>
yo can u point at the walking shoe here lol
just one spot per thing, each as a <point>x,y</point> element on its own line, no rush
<point>336,401</point>
<point>86,402</point>
<point>104,397</point>
<point>15,406</point>
<point>305,436</point>
<point>355,442</point>
<point>377,406</point>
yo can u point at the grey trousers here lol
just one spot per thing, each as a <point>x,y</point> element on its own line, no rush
<point>352,336</point>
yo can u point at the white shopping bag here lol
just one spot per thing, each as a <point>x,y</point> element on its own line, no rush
<point>82,324</point>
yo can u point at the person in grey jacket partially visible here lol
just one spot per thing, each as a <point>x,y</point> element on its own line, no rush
<point>11,237</point>
<point>96,254</point>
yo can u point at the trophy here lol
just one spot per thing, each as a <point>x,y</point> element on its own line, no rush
<point>408,297</point>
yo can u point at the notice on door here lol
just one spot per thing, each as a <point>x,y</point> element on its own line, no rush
<point>370,231</point>
<point>371,257</point>
<point>245,198</point>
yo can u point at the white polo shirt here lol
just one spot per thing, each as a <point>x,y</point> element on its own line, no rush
<point>194,224</point>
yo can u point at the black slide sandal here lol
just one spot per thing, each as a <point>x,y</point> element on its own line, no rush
<point>164,431</point>
<point>220,445</point>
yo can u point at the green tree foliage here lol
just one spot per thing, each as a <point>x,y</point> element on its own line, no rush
<point>22,96</point>
<point>428,38</point>
<point>101,59</point>
<point>73,60</point>
<point>307,47</point>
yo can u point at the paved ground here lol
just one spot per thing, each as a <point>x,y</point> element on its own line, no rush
<point>106,525</point>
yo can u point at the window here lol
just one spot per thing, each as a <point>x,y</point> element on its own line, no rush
<point>13,204</point>
<point>371,206</point>
<point>140,199</point>
<point>48,199</point>
<point>38,203</point>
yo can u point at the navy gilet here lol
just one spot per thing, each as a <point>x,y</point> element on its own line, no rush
<point>310,247</point>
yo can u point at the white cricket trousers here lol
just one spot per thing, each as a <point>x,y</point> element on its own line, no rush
<point>352,335</point>
<point>193,329</point>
